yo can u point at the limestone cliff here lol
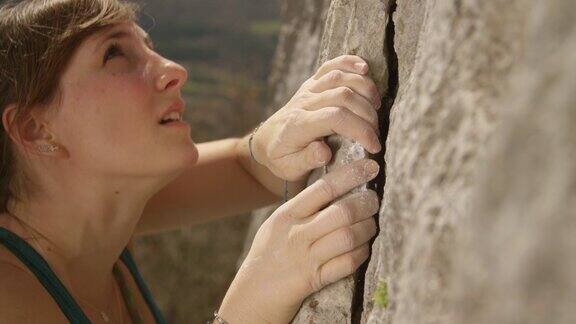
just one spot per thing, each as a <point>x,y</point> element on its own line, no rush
<point>476,222</point>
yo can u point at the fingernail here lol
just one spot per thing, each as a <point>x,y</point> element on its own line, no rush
<point>376,148</point>
<point>372,168</point>
<point>321,160</point>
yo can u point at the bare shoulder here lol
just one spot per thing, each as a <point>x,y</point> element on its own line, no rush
<point>23,299</point>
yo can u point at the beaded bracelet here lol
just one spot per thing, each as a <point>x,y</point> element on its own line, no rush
<point>254,159</point>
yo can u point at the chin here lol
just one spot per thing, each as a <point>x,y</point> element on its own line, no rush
<point>193,156</point>
<point>177,160</point>
<point>190,157</point>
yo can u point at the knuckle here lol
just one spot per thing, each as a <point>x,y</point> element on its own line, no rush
<point>335,76</point>
<point>316,281</point>
<point>345,93</point>
<point>343,214</point>
<point>281,212</point>
<point>293,117</point>
<point>338,115</point>
<point>351,263</point>
<point>347,238</point>
<point>326,189</point>
<point>305,97</point>
<point>307,84</point>
<point>280,218</point>
<point>295,236</point>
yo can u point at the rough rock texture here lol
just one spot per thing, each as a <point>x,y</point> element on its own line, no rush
<point>294,62</point>
<point>477,222</point>
<point>516,261</point>
<point>352,27</point>
<point>454,58</point>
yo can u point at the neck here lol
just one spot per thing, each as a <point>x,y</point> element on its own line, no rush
<point>81,230</point>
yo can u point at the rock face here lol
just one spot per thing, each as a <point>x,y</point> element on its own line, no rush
<point>294,62</point>
<point>454,58</point>
<point>476,222</point>
<point>516,256</point>
<point>346,33</point>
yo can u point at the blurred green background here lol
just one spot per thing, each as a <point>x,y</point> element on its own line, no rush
<point>227,47</point>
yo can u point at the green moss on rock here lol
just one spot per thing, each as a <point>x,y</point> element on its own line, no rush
<point>381,294</point>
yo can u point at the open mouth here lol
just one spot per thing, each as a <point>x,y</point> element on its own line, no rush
<point>171,118</point>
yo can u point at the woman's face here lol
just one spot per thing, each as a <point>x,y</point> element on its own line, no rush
<point>114,94</point>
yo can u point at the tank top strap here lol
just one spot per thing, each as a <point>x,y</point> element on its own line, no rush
<point>36,263</point>
<point>41,269</point>
<point>126,257</point>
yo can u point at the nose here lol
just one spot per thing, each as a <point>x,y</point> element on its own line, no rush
<point>172,75</point>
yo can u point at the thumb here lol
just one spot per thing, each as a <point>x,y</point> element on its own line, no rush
<point>313,156</point>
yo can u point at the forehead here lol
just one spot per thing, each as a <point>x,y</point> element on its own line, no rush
<point>94,44</point>
<point>125,29</point>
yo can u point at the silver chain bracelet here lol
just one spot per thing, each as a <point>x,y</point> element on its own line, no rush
<point>250,142</point>
<point>254,159</point>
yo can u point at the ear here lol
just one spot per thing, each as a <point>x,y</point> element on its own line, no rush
<point>30,134</point>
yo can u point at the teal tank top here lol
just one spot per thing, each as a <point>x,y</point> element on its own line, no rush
<point>38,265</point>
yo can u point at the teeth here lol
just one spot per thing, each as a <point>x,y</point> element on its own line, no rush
<point>171,116</point>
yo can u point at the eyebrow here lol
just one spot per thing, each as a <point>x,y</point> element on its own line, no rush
<point>121,34</point>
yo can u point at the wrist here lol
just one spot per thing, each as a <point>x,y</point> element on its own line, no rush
<point>248,300</point>
<point>249,157</point>
<point>252,145</point>
<point>236,308</point>
<point>258,171</point>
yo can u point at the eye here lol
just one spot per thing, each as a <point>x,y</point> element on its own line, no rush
<point>112,51</point>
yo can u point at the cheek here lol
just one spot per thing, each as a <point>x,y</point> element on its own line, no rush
<point>113,113</point>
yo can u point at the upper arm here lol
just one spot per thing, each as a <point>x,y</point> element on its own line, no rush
<point>23,299</point>
<point>216,186</point>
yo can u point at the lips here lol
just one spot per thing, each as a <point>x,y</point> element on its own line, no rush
<point>176,109</point>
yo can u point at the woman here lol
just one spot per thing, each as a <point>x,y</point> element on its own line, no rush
<point>94,153</point>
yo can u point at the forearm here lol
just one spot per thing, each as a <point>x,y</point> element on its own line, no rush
<point>217,186</point>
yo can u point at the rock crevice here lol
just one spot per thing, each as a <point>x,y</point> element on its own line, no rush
<point>476,221</point>
<point>389,96</point>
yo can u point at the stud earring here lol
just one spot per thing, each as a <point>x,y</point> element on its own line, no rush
<point>45,148</point>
